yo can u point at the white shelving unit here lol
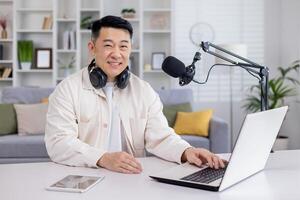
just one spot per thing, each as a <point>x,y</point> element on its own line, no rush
<point>28,17</point>
<point>152,33</point>
<point>6,9</point>
<point>157,37</point>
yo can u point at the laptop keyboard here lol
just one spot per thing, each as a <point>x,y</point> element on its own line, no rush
<point>206,175</point>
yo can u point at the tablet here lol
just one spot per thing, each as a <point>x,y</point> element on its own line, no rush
<point>75,183</point>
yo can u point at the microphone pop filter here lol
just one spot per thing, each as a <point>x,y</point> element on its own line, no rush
<point>173,67</point>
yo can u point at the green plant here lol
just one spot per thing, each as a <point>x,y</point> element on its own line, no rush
<point>67,65</point>
<point>86,22</point>
<point>128,10</point>
<point>280,88</point>
<point>25,50</point>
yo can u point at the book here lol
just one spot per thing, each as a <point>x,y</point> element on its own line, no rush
<point>1,52</point>
<point>66,39</point>
<point>47,23</point>
<point>6,73</point>
<point>72,40</point>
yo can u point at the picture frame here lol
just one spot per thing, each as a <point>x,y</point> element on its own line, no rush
<point>43,58</point>
<point>157,60</point>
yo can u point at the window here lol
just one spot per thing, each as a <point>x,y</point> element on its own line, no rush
<point>233,21</point>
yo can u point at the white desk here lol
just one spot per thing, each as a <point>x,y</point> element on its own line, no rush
<point>280,180</point>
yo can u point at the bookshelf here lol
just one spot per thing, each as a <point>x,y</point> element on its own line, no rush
<point>28,23</point>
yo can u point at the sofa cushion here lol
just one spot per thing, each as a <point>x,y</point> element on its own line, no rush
<point>15,146</point>
<point>31,118</point>
<point>193,123</point>
<point>25,94</point>
<point>8,120</point>
<point>170,111</point>
<point>175,96</point>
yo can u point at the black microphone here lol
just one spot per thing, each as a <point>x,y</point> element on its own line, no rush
<point>175,68</point>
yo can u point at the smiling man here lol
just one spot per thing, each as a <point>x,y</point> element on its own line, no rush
<point>105,116</point>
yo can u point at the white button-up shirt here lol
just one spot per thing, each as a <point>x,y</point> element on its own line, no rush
<point>78,119</point>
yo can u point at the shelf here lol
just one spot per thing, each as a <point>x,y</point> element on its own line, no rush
<point>66,50</point>
<point>34,71</point>
<point>34,31</point>
<point>6,1</point>
<point>5,79</point>
<point>85,31</point>
<point>34,10</point>
<point>5,40</point>
<point>5,61</point>
<point>89,10</point>
<point>66,20</point>
<point>153,72</point>
<point>157,31</point>
<point>132,19</point>
<point>158,10</point>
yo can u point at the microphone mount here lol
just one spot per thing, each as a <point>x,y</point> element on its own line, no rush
<point>189,74</point>
<point>261,71</point>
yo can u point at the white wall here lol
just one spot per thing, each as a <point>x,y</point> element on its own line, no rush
<point>233,21</point>
<point>282,46</point>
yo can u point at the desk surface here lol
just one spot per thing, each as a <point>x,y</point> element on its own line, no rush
<point>279,180</point>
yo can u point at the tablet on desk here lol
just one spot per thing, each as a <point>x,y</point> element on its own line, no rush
<point>75,183</point>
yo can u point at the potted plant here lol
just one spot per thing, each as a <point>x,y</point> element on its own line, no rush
<point>86,22</point>
<point>281,87</point>
<point>67,66</point>
<point>3,25</point>
<point>128,13</point>
<point>25,53</point>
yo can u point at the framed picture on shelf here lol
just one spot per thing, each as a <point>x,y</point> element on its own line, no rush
<point>157,60</point>
<point>43,58</point>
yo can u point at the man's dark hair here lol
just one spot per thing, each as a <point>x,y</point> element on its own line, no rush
<point>110,21</point>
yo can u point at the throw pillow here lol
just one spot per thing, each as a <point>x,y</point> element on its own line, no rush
<point>31,118</point>
<point>193,123</point>
<point>8,120</point>
<point>45,100</point>
<point>170,111</point>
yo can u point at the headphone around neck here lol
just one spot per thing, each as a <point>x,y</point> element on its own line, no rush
<point>98,78</point>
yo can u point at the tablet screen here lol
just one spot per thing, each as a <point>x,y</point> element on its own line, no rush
<point>76,182</point>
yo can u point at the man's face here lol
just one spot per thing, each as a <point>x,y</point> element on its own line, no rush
<point>111,51</point>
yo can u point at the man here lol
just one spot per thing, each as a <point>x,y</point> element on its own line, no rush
<point>104,116</point>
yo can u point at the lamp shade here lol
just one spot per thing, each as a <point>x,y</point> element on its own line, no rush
<point>239,49</point>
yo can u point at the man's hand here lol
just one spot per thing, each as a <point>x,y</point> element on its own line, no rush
<point>199,156</point>
<point>120,162</point>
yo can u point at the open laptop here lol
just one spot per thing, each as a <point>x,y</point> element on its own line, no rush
<point>249,155</point>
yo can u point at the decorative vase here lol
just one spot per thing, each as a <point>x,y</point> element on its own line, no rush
<point>25,65</point>
<point>4,34</point>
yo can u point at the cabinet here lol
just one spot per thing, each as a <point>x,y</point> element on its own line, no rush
<point>68,34</point>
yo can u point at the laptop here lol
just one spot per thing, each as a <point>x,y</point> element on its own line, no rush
<point>249,156</point>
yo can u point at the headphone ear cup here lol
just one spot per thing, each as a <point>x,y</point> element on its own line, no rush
<point>98,78</point>
<point>123,78</point>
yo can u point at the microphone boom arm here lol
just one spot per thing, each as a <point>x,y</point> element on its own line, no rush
<point>261,71</point>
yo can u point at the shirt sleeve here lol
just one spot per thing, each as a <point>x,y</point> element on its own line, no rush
<point>161,140</point>
<point>61,133</point>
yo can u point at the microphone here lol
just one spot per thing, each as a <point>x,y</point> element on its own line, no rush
<point>175,68</point>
